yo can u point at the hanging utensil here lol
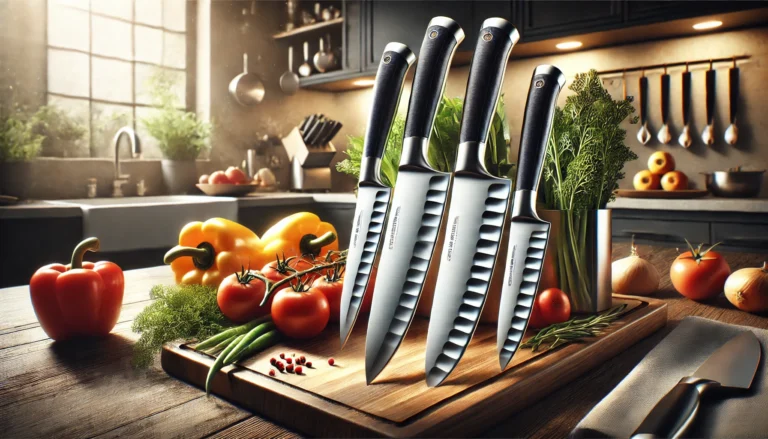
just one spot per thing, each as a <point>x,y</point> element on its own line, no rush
<point>685,139</point>
<point>663,135</point>
<point>732,133</point>
<point>708,135</point>
<point>289,81</point>
<point>643,135</point>
<point>247,88</point>
<point>624,85</point>
<point>323,60</point>
<point>305,69</point>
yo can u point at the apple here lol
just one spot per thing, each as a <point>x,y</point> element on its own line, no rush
<point>661,162</point>
<point>674,181</point>
<point>219,177</point>
<point>646,180</point>
<point>236,175</point>
<point>203,179</point>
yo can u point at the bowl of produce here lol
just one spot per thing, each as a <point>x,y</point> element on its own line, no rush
<point>231,182</point>
<point>735,183</point>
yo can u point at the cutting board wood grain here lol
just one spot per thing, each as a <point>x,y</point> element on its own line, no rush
<point>335,401</point>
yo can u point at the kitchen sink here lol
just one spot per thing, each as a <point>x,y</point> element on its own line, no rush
<point>134,223</point>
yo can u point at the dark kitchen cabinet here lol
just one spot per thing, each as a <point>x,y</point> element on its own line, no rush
<point>539,20</point>
<point>645,12</point>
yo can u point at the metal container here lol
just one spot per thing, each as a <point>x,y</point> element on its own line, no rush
<point>734,183</point>
<point>578,258</point>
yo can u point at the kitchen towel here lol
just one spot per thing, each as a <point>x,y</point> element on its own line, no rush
<point>740,414</point>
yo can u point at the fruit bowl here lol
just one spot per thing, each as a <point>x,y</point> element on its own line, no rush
<point>222,190</point>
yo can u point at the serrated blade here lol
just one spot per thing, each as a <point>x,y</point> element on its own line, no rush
<point>408,245</point>
<point>734,364</point>
<point>525,259</point>
<point>473,230</point>
<point>370,214</point>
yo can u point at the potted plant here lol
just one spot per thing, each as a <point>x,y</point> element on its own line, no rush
<point>181,135</point>
<point>584,161</point>
<point>19,144</point>
<point>61,133</point>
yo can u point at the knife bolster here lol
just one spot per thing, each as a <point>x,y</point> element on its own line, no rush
<point>414,153</point>
<point>370,168</point>
<point>470,159</point>
<point>524,204</point>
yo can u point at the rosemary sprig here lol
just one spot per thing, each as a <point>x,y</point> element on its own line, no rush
<point>573,330</point>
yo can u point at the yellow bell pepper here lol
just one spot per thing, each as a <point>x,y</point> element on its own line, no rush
<point>299,234</point>
<point>212,250</point>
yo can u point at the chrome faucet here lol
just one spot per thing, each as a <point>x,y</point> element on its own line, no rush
<point>120,179</point>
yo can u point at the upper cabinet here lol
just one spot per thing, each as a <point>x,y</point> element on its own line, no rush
<point>539,20</point>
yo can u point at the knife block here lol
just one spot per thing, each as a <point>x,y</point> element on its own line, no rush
<point>310,165</point>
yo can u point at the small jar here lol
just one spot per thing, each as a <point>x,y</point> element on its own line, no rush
<point>91,186</point>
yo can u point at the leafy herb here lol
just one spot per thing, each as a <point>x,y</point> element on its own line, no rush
<point>18,139</point>
<point>573,330</point>
<point>60,130</point>
<point>178,312</point>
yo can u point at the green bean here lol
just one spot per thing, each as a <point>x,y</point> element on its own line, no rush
<point>264,341</point>
<point>219,363</point>
<point>221,346</point>
<point>247,340</point>
<point>237,330</point>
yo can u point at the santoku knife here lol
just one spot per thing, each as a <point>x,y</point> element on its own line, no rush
<point>372,194</point>
<point>528,234</point>
<point>476,215</point>
<point>417,204</point>
<point>731,366</point>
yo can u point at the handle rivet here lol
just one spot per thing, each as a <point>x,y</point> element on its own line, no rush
<point>539,83</point>
<point>387,59</point>
<point>487,36</point>
<point>433,35</point>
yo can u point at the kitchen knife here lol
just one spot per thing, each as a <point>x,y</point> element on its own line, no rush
<point>304,123</point>
<point>334,131</point>
<point>417,204</point>
<point>321,136</point>
<point>477,210</point>
<point>528,233</point>
<point>315,131</point>
<point>731,366</point>
<point>313,120</point>
<point>372,194</point>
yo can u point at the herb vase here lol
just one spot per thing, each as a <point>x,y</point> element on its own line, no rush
<point>179,176</point>
<point>579,253</point>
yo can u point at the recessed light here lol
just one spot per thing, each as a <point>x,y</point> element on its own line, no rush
<point>364,82</point>
<point>704,25</point>
<point>569,45</point>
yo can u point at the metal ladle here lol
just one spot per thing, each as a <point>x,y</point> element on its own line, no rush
<point>708,135</point>
<point>685,139</point>
<point>305,69</point>
<point>732,132</point>
<point>664,136</point>
<point>643,135</point>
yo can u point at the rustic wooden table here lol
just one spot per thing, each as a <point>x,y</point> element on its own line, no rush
<point>90,389</point>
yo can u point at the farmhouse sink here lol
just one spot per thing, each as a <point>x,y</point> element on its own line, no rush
<point>134,223</point>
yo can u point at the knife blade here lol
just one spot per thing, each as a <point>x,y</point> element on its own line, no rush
<point>417,204</point>
<point>528,234</point>
<point>476,216</point>
<point>304,123</point>
<point>372,194</point>
<point>733,365</point>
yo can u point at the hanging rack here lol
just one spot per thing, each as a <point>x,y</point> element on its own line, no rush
<point>709,61</point>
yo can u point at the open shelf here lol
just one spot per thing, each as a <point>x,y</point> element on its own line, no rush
<point>309,28</point>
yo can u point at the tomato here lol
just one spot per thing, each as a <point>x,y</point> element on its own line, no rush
<point>236,175</point>
<point>203,179</point>
<point>239,297</point>
<point>301,264</point>
<point>699,275</point>
<point>276,270</point>
<point>551,306</point>
<point>219,177</point>
<point>300,314</point>
<point>331,289</point>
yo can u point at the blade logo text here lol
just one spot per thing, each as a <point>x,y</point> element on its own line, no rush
<point>452,240</point>
<point>393,232</point>
<point>357,229</point>
<point>511,266</point>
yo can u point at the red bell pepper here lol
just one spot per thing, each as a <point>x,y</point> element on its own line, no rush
<point>78,300</point>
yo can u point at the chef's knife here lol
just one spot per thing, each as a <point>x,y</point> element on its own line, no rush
<point>528,233</point>
<point>476,215</point>
<point>304,123</point>
<point>731,366</point>
<point>417,204</point>
<point>372,194</point>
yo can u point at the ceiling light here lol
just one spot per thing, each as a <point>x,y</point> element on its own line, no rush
<point>364,82</point>
<point>707,25</point>
<point>569,45</point>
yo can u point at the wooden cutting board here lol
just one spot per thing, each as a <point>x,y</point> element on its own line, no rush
<point>335,400</point>
<point>656,193</point>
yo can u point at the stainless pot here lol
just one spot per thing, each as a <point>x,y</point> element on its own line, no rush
<point>734,183</point>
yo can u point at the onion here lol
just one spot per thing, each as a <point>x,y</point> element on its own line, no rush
<point>634,275</point>
<point>266,177</point>
<point>747,289</point>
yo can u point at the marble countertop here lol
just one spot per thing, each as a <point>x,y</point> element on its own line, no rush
<point>709,204</point>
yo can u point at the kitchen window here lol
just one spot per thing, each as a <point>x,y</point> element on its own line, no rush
<point>100,55</point>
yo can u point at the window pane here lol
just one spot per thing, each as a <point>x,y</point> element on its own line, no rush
<point>107,119</point>
<point>175,15</point>
<point>149,12</point>
<point>144,72</point>
<point>111,37</point>
<point>68,72</point>
<point>57,144</point>
<point>149,44</point>
<point>81,4</point>
<point>68,27</point>
<point>116,8</point>
<point>148,143</point>
<point>174,51</point>
<point>112,80</point>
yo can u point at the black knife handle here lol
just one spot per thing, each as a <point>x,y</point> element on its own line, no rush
<point>686,97</point>
<point>672,415</point>
<point>664,98</point>
<point>440,42</point>
<point>486,74</point>
<point>643,99</point>
<point>395,62</point>
<point>546,83</point>
<point>710,83</point>
<point>733,91</point>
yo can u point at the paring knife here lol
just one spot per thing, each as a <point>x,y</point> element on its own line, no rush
<point>528,234</point>
<point>417,204</point>
<point>731,366</point>
<point>476,215</point>
<point>372,194</point>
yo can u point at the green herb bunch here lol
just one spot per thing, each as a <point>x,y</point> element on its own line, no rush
<point>19,140</point>
<point>443,144</point>
<point>59,129</point>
